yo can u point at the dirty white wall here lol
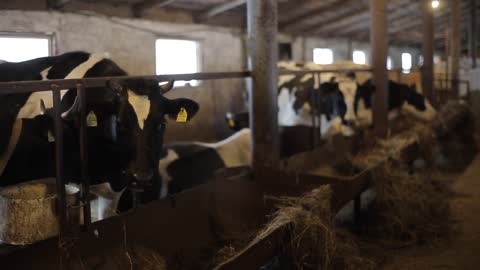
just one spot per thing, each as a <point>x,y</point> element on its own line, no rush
<point>131,43</point>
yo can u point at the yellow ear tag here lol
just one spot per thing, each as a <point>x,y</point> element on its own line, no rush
<point>51,137</point>
<point>92,119</point>
<point>182,116</point>
<point>231,123</point>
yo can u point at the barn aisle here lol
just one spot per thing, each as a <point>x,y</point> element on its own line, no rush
<point>462,251</point>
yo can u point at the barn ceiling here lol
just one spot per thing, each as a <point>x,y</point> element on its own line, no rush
<point>325,18</point>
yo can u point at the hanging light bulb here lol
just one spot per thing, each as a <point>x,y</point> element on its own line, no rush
<point>435,4</point>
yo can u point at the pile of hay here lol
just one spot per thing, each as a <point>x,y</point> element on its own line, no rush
<point>408,208</point>
<point>313,239</point>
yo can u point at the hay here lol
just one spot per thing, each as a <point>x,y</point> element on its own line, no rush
<point>408,209</point>
<point>313,238</point>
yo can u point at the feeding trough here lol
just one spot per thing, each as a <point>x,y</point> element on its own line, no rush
<point>28,211</point>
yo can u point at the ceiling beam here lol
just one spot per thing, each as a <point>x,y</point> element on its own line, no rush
<point>56,4</point>
<point>138,9</point>
<point>219,9</point>
<point>315,9</point>
<point>340,21</point>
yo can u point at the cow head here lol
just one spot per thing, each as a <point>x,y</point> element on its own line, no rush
<point>129,116</point>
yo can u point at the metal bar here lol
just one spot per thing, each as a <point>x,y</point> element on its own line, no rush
<point>221,8</point>
<point>84,157</point>
<point>473,32</point>
<point>455,42</point>
<point>304,72</point>
<point>427,69</point>
<point>263,55</point>
<point>61,197</point>
<point>379,46</point>
<point>32,86</point>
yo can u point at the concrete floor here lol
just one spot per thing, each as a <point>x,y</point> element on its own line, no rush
<point>462,250</point>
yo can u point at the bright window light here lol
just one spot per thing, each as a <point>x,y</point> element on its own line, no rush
<point>177,57</point>
<point>389,63</point>
<point>437,59</point>
<point>322,56</point>
<point>435,4</point>
<point>406,61</point>
<point>18,49</point>
<point>359,57</point>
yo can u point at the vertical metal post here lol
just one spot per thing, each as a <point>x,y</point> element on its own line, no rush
<point>473,32</point>
<point>350,49</point>
<point>263,55</point>
<point>428,37</point>
<point>84,156</point>
<point>61,196</point>
<point>379,45</point>
<point>455,43</point>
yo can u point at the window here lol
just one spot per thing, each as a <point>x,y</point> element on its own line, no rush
<point>359,57</point>
<point>322,56</point>
<point>406,62</point>
<point>177,57</point>
<point>21,48</point>
<point>389,63</point>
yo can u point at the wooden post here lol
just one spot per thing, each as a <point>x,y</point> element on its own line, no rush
<point>473,32</point>
<point>263,55</point>
<point>427,68</point>
<point>379,47</point>
<point>455,43</point>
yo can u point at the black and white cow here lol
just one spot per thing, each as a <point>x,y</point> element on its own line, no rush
<point>189,164</point>
<point>401,99</point>
<point>299,98</point>
<point>126,123</point>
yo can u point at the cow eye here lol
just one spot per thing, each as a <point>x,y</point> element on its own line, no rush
<point>160,126</point>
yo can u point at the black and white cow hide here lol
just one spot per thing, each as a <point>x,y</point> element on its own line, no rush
<point>401,99</point>
<point>126,123</point>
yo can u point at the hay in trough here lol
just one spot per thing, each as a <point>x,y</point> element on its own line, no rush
<point>408,209</point>
<point>313,239</point>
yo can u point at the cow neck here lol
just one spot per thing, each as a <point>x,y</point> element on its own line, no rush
<point>12,144</point>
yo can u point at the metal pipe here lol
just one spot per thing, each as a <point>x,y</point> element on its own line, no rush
<point>32,86</point>
<point>61,196</point>
<point>263,55</point>
<point>379,46</point>
<point>84,157</point>
<point>427,68</point>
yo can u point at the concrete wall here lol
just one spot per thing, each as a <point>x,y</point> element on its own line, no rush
<point>131,43</point>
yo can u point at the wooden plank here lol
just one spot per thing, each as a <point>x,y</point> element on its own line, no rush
<point>139,9</point>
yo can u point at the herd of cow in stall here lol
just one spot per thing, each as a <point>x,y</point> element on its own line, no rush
<point>126,123</point>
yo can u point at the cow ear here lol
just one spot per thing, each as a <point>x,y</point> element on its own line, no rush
<point>182,108</point>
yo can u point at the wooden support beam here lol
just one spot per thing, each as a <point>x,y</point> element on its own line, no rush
<point>219,9</point>
<point>473,32</point>
<point>315,9</point>
<point>428,37</point>
<point>262,59</point>
<point>138,10</point>
<point>56,4</point>
<point>455,42</point>
<point>379,48</point>
<point>340,21</point>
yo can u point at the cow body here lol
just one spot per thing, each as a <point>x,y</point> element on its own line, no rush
<point>402,99</point>
<point>126,123</point>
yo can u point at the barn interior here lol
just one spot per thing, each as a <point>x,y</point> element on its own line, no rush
<point>395,192</point>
